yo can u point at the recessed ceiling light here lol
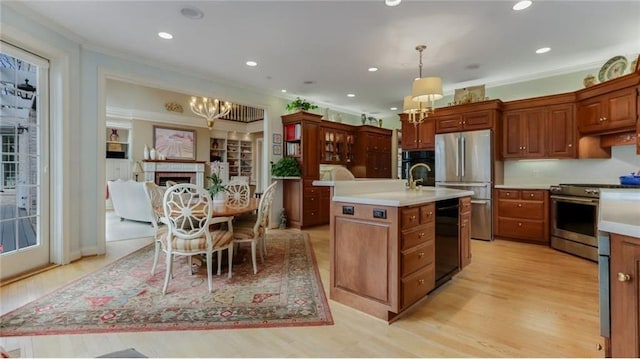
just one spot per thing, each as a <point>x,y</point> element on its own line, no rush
<point>252,63</point>
<point>542,50</point>
<point>192,13</point>
<point>392,2</point>
<point>393,108</point>
<point>521,5</point>
<point>283,90</point>
<point>351,95</point>
<point>373,69</point>
<point>165,35</point>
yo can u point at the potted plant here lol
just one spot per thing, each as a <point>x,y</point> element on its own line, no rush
<point>300,105</point>
<point>216,187</point>
<point>285,167</point>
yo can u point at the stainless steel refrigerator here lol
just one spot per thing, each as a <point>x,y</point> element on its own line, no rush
<point>464,160</point>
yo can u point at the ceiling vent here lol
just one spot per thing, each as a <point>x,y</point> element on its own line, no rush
<point>192,13</point>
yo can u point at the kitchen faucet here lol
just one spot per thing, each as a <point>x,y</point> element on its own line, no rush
<point>412,183</point>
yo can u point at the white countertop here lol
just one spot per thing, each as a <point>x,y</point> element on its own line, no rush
<point>391,193</point>
<point>619,211</point>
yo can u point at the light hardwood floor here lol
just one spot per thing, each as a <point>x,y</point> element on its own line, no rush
<point>513,300</point>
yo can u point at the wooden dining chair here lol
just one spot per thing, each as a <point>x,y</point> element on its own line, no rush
<point>188,212</point>
<point>254,232</point>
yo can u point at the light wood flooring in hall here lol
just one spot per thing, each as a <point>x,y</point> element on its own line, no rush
<point>513,300</point>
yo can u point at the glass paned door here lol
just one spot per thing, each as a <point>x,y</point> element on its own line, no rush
<point>24,238</point>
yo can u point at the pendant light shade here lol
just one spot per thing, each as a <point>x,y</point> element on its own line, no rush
<point>427,89</point>
<point>409,105</point>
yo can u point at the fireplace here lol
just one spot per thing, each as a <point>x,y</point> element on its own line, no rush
<point>182,172</point>
<point>161,178</point>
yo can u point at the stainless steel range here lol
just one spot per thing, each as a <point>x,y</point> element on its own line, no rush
<point>574,218</point>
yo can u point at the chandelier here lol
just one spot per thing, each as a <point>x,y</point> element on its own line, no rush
<point>424,92</point>
<point>210,109</point>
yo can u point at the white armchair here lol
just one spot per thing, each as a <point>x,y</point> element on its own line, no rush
<point>130,201</point>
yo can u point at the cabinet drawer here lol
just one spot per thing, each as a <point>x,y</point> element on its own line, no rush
<point>417,257</point>
<point>427,213</point>
<point>410,217</point>
<point>521,209</point>
<point>417,285</point>
<point>508,193</point>
<point>465,205</point>
<point>533,195</point>
<point>417,236</point>
<point>311,203</point>
<point>519,228</point>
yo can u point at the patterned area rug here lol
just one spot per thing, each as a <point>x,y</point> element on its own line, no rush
<point>125,297</point>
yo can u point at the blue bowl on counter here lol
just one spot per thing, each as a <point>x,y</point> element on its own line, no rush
<point>633,180</point>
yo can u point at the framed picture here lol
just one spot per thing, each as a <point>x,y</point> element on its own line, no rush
<point>175,143</point>
<point>277,138</point>
<point>469,94</point>
<point>277,150</point>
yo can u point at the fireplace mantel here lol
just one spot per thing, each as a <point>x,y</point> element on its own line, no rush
<point>151,167</point>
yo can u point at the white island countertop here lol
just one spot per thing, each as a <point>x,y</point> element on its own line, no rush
<point>390,192</point>
<point>619,211</point>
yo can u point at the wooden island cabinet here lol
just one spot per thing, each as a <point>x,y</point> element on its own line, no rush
<point>383,252</point>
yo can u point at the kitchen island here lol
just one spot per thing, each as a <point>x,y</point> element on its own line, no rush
<point>390,246</point>
<point>618,263</point>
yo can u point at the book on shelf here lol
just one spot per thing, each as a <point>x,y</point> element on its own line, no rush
<point>293,132</point>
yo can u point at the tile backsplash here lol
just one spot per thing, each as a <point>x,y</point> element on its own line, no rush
<point>623,161</point>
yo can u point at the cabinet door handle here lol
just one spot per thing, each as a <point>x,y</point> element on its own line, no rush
<point>624,277</point>
<point>430,214</point>
<point>508,194</point>
<point>421,234</point>
<point>570,145</point>
<point>420,281</point>
<point>531,195</point>
<point>421,254</point>
<point>519,204</point>
<point>519,224</point>
<point>413,218</point>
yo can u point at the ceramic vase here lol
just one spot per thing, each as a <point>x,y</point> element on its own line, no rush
<point>152,154</point>
<point>220,198</point>
<point>146,152</point>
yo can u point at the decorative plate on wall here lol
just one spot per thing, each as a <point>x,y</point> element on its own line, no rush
<point>613,68</point>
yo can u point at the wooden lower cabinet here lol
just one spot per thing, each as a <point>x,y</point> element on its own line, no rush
<point>522,215</point>
<point>625,296</point>
<point>382,266</point>
<point>465,231</point>
<point>306,205</point>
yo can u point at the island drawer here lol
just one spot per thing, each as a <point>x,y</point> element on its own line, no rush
<point>417,236</point>
<point>427,213</point>
<point>417,257</point>
<point>417,285</point>
<point>414,216</point>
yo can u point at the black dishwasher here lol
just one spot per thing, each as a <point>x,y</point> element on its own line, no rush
<point>447,248</point>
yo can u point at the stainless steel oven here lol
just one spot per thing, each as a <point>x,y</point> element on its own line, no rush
<point>574,220</point>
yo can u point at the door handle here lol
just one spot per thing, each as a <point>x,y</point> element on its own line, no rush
<point>475,201</point>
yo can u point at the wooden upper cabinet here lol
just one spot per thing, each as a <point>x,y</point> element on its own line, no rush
<point>524,133</point>
<point>336,144</point>
<point>302,141</point>
<point>609,107</point>
<point>417,137</point>
<point>467,117</point>
<point>541,127</point>
<point>561,131</point>
<point>372,157</point>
